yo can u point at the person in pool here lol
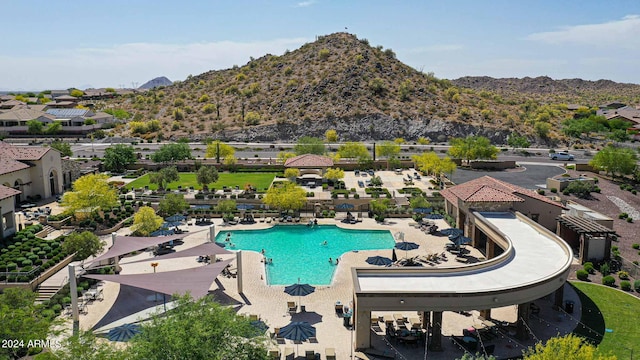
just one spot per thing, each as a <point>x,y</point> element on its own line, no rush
<point>324,243</point>
<point>331,260</point>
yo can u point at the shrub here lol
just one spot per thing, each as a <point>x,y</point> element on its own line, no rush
<point>636,246</point>
<point>588,267</point>
<point>623,275</point>
<point>625,285</point>
<point>608,280</point>
<point>57,307</point>
<point>636,285</point>
<point>582,274</point>
<point>623,215</point>
<point>605,269</point>
<point>629,220</point>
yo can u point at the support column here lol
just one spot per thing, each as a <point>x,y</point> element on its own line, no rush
<point>361,322</point>
<point>116,259</point>
<point>558,298</point>
<point>522,333</point>
<point>436,332</point>
<point>490,249</point>
<point>486,314</point>
<point>73,289</point>
<point>426,319</point>
<point>212,233</point>
<point>239,270</point>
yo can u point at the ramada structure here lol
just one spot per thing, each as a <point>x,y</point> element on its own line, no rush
<point>524,261</point>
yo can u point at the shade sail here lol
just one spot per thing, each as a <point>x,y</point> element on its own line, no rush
<point>196,281</point>
<point>202,249</point>
<point>128,244</point>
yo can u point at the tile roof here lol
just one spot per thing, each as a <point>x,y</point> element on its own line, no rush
<point>6,192</point>
<point>22,114</point>
<point>488,189</point>
<point>22,152</point>
<point>10,165</point>
<point>308,160</point>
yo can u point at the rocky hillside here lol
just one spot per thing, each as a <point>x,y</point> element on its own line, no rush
<point>157,82</point>
<point>336,82</point>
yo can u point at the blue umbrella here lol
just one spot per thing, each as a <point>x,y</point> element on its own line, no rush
<point>176,218</point>
<point>434,217</point>
<point>123,332</point>
<point>298,331</point>
<point>171,224</point>
<point>345,206</point>
<point>162,232</point>
<point>459,239</point>
<point>451,231</point>
<point>379,260</point>
<point>405,245</point>
<point>244,206</point>
<point>299,289</point>
<point>259,326</point>
<point>423,210</point>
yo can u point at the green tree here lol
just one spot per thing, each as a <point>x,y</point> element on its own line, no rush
<point>477,356</point>
<point>172,204</point>
<point>542,129</point>
<point>354,150</point>
<point>21,319</point>
<point>145,221</point>
<point>388,150</point>
<point>219,150</point>
<point>472,148</point>
<point>164,176</point>
<point>291,173</point>
<point>206,175</point>
<point>84,244</point>
<point>379,208</point>
<point>419,202</point>
<point>376,86</point>
<point>227,207</point>
<point>53,128</point>
<point>92,192</point>
<point>568,347</point>
<point>63,147</point>
<point>76,93</point>
<point>171,153</point>
<point>198,329</point>
<point>85,346</point>
<point>35,127</point>
<point>285,196</point>
<point>309,145</point>
<point>331,136</point>
<point>615,161</point>
<point>118,157</point>
<point>283,156</point>
<point>334,174</point>
<point>517,141</point>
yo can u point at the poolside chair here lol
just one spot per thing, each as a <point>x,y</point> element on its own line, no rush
<point>274,354</point>
<point>288,353</point>
<point>253,317</point>
<point>269,220</point>
<point>310,355</point>
<point>291,305</point>
<point>330,353</point>
<point>278,337</point>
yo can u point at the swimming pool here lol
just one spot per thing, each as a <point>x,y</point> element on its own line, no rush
<point>298,251</point>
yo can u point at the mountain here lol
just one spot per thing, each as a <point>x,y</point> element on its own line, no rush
<point>157,82</point>
<point>339,82</point>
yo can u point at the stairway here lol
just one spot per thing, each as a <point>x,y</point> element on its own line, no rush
<point>46,292</point>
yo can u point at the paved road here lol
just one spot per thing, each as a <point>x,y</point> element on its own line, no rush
<point>533,176</point>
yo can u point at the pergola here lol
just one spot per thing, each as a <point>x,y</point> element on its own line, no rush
<point>593,238</point>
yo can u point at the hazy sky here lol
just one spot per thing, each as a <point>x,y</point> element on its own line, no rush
<point>117,43</point>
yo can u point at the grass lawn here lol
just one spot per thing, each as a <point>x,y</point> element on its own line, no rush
<point>605,309</point>
<point>260,181</point>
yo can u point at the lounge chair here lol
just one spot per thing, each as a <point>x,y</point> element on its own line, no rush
<point>310,355</point>
<point>274,354</point>
<point>253,317</point>
<point>288,353</point>
<point>293,308</point>
<point>339,308</point>
<point>330,353</point>
<point>269,220</point>
<point>313,339</point>
<point>276,334</point>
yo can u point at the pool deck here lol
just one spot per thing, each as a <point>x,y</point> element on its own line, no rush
<point>270,302</point>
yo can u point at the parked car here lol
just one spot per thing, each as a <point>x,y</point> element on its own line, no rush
<point>562,155</point>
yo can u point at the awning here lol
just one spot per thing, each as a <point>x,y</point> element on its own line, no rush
<point>127,244</point>
<point>195,281</point>
<point>202,249</point>
<point>583,226</point>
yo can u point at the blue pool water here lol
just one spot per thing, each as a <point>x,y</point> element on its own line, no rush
<point>298,251</point>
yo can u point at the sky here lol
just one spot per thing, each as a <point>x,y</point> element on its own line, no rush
<point>124,43</point>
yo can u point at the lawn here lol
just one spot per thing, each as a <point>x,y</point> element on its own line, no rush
<point>260,181</point>
<point>612,313</point>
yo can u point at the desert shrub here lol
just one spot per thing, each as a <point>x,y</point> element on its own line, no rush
<point>588,267</point>
<point>625,285</point>
<point>623,275</point>
<point>623,215</point>
<point>582,274</point>
<point>608,280</point>
<point>629,220</point>
<point>636,246</point>
<point>605,269</point>
<point>636,285</point>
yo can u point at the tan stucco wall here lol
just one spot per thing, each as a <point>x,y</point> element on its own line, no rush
<point>547,212</point>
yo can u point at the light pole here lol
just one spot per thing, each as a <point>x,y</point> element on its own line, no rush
<point>154,265</point>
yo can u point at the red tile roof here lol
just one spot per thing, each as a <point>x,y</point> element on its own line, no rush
<point>309,160</point>
<point>488,189</point>
<point>22,152</point>
<point>10,165</point>
<point>6,192</point>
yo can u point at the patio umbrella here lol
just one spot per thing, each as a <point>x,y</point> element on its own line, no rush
<point>422,210</point>
<point>459,239</point>
<point>311,317</point>
<point>162,232</point>
<point>123,332</point>
<point>344,206</point>
<point>406,246</point>
<point>451,231</point>
<point>176,218</point>
<point>299,290</point>
<point>434,217</point>
<point>259,326</point>
<point>171,224</point>
<point>298,331</point>
<point>244,206</point>
<point>379,260</point>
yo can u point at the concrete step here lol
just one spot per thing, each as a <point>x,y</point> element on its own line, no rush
<point>46,292</point>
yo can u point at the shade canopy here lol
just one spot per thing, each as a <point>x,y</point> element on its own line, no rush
<point>345,206</point>
<point>202,249</point>
<point>298,331</point>
<point>127,244</point>
<point>175,218</point>
<point>406,245</point>
<point>170,224</point>
<point>422,210</point>
<point>434,217</point>
<point>123,332</point>
<point>162,232</point>
<point>195,281</point>
<point>379,260</point>
<point>299,289</point>
<point>244,206</point>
